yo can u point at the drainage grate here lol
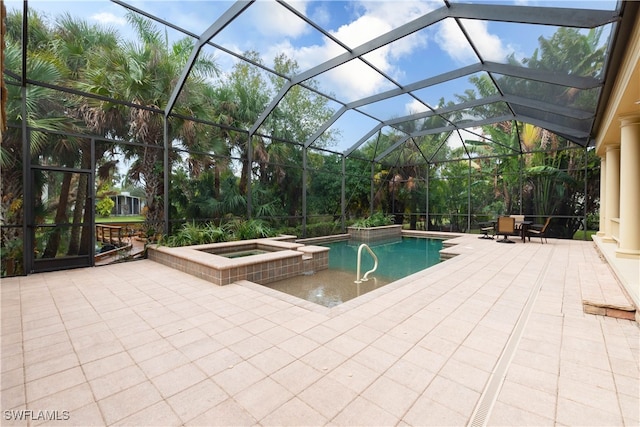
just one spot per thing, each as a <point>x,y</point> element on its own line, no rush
<point>490,393</point>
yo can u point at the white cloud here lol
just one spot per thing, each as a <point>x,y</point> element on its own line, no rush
<point>415,107</point>
<point>193,21</point>
<point>355,80</point>
<point>272,19</point>
<point>107,18</point>
<point>321,15</point>
<point>378,18</point>
<point>489,45</point>
<point>456,138</point>
<point>361,30</point>
<point>399,13</point>
<point>306,56</point>
<point>454,43</point>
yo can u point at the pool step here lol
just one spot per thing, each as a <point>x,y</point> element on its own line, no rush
<point>602,294</point>
<point>307,264</point>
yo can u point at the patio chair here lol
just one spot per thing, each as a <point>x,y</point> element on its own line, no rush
<point>541,233</point>
<point>506,226</point>
<point>487,227</point>
<point>519,220</point>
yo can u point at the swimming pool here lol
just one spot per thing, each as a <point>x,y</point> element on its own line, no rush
<point>396,259</point>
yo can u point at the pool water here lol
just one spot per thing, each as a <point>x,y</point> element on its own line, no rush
<point>240,254</point>
<point>396,259</point>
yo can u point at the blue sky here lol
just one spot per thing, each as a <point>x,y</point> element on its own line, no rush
<point>270,29</point>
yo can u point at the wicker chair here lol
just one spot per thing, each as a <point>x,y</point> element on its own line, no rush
<point>506,226</point>
<point>542,233</point>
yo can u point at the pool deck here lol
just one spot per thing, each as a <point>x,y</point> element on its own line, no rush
<point>496,335</point>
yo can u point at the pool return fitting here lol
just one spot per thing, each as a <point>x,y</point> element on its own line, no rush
<point>375,264</point>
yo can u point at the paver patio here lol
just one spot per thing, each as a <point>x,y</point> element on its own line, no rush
<point>496,335</point>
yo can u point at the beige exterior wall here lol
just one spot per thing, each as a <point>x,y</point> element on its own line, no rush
<point>611,194</point>
<point>618,145</point>
<point>629,243</point>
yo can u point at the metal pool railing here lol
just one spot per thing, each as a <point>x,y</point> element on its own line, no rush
<point>375,263</point>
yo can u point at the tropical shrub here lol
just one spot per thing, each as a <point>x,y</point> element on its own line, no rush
<point>105,206</point>
<point>195,234</point>
<point>238,229</point>
<point>378,219</point>
<point>11,258</point>
<point>593,221</point>
<point>192,234</point>
<point>323,229</point>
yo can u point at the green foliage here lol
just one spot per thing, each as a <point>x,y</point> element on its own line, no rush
<point>325,181</point>
<point>290,231</point>
<point>11,258</point>
<point>579,235</point>
<point>378,219</point>
<point>550,186</point>
<point>211,197</point>
<point>593,221</point>
<point>129,219</point>
<point>192,234</point>
<point>238,229</point>
<point>323,229</point>
<point>104,207</point>
<point>204,183</point>
<point>318,229</point>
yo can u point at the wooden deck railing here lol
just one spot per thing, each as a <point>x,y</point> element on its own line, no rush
<point>110,234</point>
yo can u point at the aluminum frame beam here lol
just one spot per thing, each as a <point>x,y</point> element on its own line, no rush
<point>362,140</point>
<point>566,17</point>
<point>371,45</point>
<point>556,16</point>
<point>569,112</point>
<point>229,15</point>
<point>391,148</point>
<point>580,18</point>
<point>578,82</point>
<point>326,125</point>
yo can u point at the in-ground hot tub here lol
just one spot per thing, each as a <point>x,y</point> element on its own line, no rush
<point>262,261</point>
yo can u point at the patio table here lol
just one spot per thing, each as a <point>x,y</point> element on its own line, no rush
<point>523,226</point>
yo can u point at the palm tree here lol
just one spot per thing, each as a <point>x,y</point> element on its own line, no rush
<point>407,165</point>
<point>144,73</point>
<point>570,52</point>
<point>248,96</point>
<point>81,46</point>
<point>285,170</point>
<point>217,140</point>
<point>45,110</point>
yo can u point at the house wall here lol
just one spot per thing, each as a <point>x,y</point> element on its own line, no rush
<point>618,146</point>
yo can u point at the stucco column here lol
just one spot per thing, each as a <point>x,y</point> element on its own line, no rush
<point>629,246</point>
<point>612,202</point>
<point>603,197</point>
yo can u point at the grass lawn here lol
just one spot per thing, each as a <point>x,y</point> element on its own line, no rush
<point>579,235</point>
<point>119,219</point>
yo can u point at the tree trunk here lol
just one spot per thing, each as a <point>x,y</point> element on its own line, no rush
<point>154,190</point>
<point>53,242</point>
<point>244,176</point>
<point>87,237</point>
<point>216,179</point>
<point>78,215</point>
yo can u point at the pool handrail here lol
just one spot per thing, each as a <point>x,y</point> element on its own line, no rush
<point>375,263</point>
